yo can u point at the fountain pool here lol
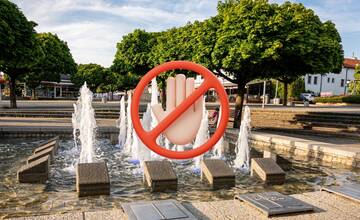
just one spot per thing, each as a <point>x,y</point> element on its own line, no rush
<point>58,195</point>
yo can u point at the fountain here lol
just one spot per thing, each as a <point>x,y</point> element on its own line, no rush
<point>92,178</point>
<point>122,123</point>
<point>242,160</point>
<point>75,123</point>
<point>84,122</point>
<point>139,152</point>
<point>218,148</point>
<point>129,131</point>
<point>201,137</point>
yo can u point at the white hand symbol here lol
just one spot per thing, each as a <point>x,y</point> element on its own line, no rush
<point>185,128</point>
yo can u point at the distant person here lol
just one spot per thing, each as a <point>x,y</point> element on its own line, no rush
<point>214,117</point>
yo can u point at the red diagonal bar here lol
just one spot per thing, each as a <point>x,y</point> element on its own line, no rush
<point>180,109</point>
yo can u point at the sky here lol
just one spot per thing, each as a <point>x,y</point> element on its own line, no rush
<point>93,27</point>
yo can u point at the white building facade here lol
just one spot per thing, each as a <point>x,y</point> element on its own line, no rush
<point>332,84</point>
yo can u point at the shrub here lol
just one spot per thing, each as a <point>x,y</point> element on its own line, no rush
<point>339,99</point>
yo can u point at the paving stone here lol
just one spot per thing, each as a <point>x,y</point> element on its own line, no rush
<point>66,216</point>
<point>267,170</point>
<point>92,179</point>
<point>47,152</point>
<point>155,210</point>
<point>274,203</point>
<point>36,171</point>
<point>160,176</point>
<point>217,173</point>
<point>116,214</point>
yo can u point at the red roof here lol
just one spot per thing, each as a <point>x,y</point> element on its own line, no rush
<point>351,63</point>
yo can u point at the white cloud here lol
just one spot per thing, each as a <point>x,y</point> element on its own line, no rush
<point>93,27</point>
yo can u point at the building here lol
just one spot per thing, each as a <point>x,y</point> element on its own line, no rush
<point>64,89</point>
<point>332,83</point>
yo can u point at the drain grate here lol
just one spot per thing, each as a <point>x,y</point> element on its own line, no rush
<point>157,210</point>
<point>274,203</point>
<point>349,190</point>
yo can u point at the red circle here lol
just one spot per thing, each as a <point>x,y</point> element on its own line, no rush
<point>149,137</point>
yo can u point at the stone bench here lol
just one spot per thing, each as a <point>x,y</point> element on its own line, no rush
<point>160,176</point>
<point>217,173</point>
<point>267,170</point>
<point>36,171</point>
<point>46,152</point>
<point>92,179</point>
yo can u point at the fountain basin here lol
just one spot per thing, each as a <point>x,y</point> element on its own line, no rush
<point>92,179</point>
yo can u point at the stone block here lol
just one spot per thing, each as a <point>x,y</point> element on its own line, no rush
<point>47,152</point>
<point>160,176</point>
<point>217,173</point>
<point>36,171</point>
<point>114,139</point>
<point>282,162</point>
<point>52,144</point>
<point>267,170</point>
<point>92,179</point>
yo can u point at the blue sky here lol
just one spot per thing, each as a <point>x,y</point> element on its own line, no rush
<point>93,27</point>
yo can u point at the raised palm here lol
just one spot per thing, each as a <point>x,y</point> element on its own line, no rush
<point>185,128</point>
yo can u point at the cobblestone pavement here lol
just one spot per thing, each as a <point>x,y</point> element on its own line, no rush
<point>327,206</point>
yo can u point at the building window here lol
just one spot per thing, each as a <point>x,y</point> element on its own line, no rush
<point>309,79</point>
<point>315,80</point>
<point>342,82</point>
<point>328,79</point>
<point>333,80</point>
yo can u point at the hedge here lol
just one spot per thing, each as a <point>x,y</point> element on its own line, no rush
<point>339,99</point>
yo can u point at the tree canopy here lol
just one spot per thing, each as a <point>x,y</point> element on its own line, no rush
<point>57,60</point>
<point>246,40</point>
<point>18,44</point>
<point>93,74</point>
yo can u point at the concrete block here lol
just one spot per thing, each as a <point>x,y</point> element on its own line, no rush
<point>160,176</point>
<point>217,173</point>
<point>36,171</point>
<point>92,179</point>
<point>267,170</point>
<point>114,139</point>
<point>282,162</point>
<point>47,152</point>
<point>52,144</point>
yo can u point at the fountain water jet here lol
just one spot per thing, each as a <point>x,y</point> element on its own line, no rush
<point>201,137</point>
<point>84,121</point>
<point>242,160</point>
<point>122,123</point>
<point>139,152</point>
<point>218,148</point>
<point>129,131</point>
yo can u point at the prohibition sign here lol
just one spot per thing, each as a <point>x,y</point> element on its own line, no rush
<point>149,137</point>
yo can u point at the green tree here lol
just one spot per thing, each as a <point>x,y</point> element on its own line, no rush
<point>57,60</point>
<point>18,45</point>
<point>354,87</point>
<point>133,53</point>
<point>93,74</point>
<point>307,45</point>
<point>246,44</point>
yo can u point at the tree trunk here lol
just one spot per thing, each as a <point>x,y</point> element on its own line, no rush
<point>33,94</point>
<point>239,105</point>
<point>12,84</point>
<point>112,96</point>
<point>285,93</point>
